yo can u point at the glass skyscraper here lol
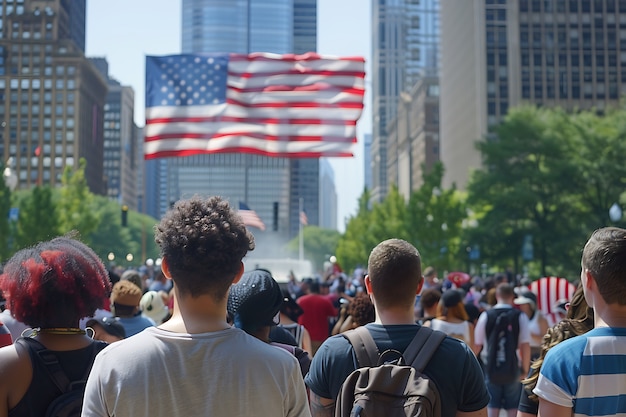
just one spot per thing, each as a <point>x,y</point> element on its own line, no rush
<point>405,48</point>
<point>270,186</point>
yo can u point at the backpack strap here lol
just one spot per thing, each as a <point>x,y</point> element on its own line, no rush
<point>51,362</point>
<point>364,346</point>
<point>423,347</point>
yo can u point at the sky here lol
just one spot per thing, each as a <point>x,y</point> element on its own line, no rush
<point>126,31</point>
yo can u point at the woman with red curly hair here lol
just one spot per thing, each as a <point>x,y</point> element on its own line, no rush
<point>49,287</point>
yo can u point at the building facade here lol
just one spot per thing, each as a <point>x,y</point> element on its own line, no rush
<point>121,171</point>
<point>267,185</point>
<point>413,136</point>
<point>497,54</point>
<point>51,96</point>
<point>405,48</point>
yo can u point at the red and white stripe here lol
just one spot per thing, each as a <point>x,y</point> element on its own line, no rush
<point>549,290</point>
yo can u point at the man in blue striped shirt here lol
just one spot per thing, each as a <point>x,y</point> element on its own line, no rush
<point>586,375</point>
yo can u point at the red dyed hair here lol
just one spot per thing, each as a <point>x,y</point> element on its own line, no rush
<point>54,284</point>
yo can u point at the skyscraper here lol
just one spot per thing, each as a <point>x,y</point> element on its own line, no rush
<point>405,47</point>
<point>52,97</point>
<point>119,158</point>
<point>497,54</point>
<point>263,183</point>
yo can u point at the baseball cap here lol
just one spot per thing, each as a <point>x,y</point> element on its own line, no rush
<point>255,300</point>
<point>111,325</point>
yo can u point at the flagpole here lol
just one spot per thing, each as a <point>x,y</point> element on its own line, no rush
<point>301,241</point>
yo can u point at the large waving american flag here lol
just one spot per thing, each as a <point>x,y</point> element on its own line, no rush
<point>267,104</point>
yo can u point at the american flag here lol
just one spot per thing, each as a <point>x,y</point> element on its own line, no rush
<point>304,220</point>
<point>250,218</point>
<point>267,104</point>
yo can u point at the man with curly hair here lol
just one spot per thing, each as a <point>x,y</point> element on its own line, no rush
<point>196,364</point>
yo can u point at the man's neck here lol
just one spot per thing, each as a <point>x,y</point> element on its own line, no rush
<point>197,315</point>
<point>609,315</point>
<point>395,316</point>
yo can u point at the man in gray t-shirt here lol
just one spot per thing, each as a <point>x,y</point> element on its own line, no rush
<point>196,364</point>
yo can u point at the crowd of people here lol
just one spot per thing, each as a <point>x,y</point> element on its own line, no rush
<point>204,337</point>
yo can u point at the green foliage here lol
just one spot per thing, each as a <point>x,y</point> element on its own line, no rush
<point>431,220</point>
<point>110,237</point>
<point>76,205</point>
<point>435,219</point>
<point>356,243</point>
<point>317,242</point>
<point>37,217</point>
<point>549,175</point>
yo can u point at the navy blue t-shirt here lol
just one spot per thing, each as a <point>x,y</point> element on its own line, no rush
<point>453,368</point>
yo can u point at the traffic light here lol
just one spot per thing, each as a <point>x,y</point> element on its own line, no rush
<point>124,215</point>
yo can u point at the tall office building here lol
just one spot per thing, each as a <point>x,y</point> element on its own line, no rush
<point>120,140</point>
<point>51,96</point>
<point>405,48</point>
<point>497,54</point>
<point>265,184</point>
<point>413,136</point>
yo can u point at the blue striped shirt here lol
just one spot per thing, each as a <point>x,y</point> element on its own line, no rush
<point>587,373</point>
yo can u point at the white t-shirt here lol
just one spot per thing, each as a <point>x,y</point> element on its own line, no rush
<point>225,373</point>
<point>459,331</point>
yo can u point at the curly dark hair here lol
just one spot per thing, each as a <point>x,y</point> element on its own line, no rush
<point>203,242</point>
<point>55,283</point>
<point>362,310</point>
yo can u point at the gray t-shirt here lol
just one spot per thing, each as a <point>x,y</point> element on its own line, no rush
<point>225,373</point>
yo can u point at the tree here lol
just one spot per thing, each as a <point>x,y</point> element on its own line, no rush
<point>76,208</point>
<point>599,149</point>
<point>529,187</point>
<point>434,220</point>
<point>37,217</point>
<point>137,238</point>
<point>356,243</point>
<point>318,243</point>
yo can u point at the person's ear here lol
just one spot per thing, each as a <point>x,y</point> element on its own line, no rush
<point>420,285</point>
<point>589,279</point>
<point>368,284</point>
<point>165,267</point>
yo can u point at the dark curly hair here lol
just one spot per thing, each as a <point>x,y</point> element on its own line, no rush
<point>362,310</point>
<point>55,283</point>
<point>203,242</point>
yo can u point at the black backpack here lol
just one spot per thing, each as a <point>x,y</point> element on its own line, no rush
<point>70,402</point>
<point>502,330</point>
<point>384,385</point>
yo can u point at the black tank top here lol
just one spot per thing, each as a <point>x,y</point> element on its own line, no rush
<point>42,390</point>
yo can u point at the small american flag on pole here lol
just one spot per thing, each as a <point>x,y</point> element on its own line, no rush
<point>304,220</point>
<point>249,216</point>
<point>267,104</point>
